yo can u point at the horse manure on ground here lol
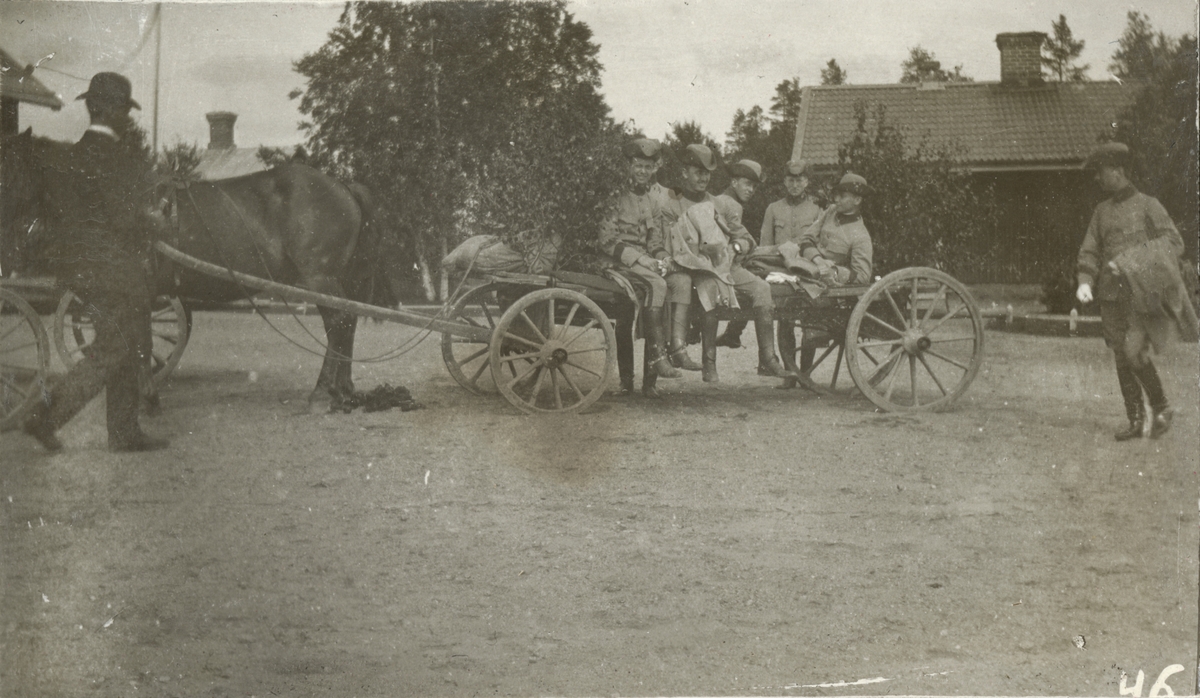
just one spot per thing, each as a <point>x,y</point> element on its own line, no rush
<point>380,398</point>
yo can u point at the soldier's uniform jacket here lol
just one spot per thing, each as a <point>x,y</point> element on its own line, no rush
<point>729,218</point>
<point>1126,219</point>
<point>843,240</point>
<point>731,207</point>
<point>784,222</point>
<point>634,229</point>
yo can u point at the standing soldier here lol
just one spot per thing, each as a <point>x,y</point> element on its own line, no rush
<point>698,164</point>
<point>98,254</point>
<point>744,178</point>
<point>1123,223</point>
<point>633,238</point>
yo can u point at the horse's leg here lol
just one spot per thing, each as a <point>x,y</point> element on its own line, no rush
<point>334,385</point>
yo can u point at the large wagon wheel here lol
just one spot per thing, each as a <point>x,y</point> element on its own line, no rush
<point>24,359</point>
<point>170,326</point>
<point>915,340</point>
<point>553,350</point>
<point>469,360</point>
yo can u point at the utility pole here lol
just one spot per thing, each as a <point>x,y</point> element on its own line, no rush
<point>157,63</point>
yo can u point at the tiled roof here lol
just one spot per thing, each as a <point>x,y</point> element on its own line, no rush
<point>1002,127</point>
<point>224,163</point>
<point>17,82</point>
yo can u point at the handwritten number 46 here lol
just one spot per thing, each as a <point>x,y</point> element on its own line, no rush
<point>1160,687</point>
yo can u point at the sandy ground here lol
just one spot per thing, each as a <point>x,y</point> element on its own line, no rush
<point>732,539</point>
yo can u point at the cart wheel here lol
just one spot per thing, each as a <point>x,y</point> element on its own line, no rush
<point>24,359</point>
<point>553,350</point>
<point>170,325</point>
<point>466,359</point>
<point>915,340</point>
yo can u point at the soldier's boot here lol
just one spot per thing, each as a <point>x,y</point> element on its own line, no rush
<point>1131,393</point>
<point>764,331</point>
<point>785,334</point>
<point>122,398</point>
<point>708,347</point>
<point>732,336</point>
<point>679,328</point>
<point>656,354</point>
<point>1147,375</point>
<point>649,376</point>
<point>625,354</point>
<point>39,426</point>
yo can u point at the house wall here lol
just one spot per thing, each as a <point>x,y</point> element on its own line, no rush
<point>1040,223</point>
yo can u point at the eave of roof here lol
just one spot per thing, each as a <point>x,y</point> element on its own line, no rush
<point>17,82</point>
<point>1002,127</point>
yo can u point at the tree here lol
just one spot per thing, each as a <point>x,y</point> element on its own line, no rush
<point>922,66</point>
<point>1059,52</point>
<point>923,210</point>
<point>832,73</point>
<point>451,111</point>
<point>747,130</point>
<point>179,161</point>
<point>1160,126</point>
<point>785,104</point>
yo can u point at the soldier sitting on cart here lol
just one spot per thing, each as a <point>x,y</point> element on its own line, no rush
<point>633,238</point>
<point>698,163</point>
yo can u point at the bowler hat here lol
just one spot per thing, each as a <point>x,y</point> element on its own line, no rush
<point>796,168</point>
<point>1111,154</point>
<point>746,168</point>
<point>855,184</point>
<point>110,88</point>
<point>700,156</point>
<point>647,148</point>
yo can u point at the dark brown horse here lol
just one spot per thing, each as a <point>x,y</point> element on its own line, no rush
<point>291,224</point>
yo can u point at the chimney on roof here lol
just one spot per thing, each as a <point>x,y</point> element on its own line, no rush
<point>1021,58</point>
<point>220,129</point>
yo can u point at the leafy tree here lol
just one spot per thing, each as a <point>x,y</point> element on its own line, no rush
<point>923,210</point>
<point>273,157</point>
<point>922,66</point>
<point>179,161</point>
<point>450,111</point>
<point>1160,126</point>
<point>1059,52</point>
<point>832,73</point>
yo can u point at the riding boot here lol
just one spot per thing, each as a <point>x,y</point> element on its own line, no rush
<point>764,330</point>
<point>122,396</point>
<point>679,327</point>
<point>732,336</point>
<point>649,375</point>
<point>656,354</point>
<point>1131,393</point>
<point>624,330</point>
<point>708,347</point>
<point>38,425</point>
<point>1152,384</point>
<point>785,335</point>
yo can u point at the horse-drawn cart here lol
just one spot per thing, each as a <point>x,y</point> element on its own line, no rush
<point>913,340</point>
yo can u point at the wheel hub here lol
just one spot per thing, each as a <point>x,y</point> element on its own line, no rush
<point>555,354</point>
<point>916,342</point>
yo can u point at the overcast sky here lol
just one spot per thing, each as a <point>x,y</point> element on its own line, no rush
<point>664,60</point>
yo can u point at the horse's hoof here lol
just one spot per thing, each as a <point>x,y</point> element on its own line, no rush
<point>320,405</point>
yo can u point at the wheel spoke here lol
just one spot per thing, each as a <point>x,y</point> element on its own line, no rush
<point>550,326</point>
<point>881,322</point>
<point>537,385</point>
<point>581,368</point>
<point>590,324</point>
<point>891,382</point>
<point>487,313</point>
<point>519,338</point>
<point>966,338</point>
<point>947,359</point>
<point>932,374</point>
<point>570,317</point>
<point>945,317</point>
<point>892,302</point>
<point>516,357</point>
<point>912,302</point>
<point>518,378</point>
<point>828,350</point>
<point>837,365</point>
<point>878,343</point>
<point>558,403</point>
<point>13,386</point>
<point>157,362</point>
<point>533,326</point>
<point>474,356</point>
<point>168,338</point>
<point>588,351</point>
<point>941,295</point>
<point>16,326</point>
<point>479,371</point>
<point>20,347</point>
<point>571,383</point>
<point>887,364</point>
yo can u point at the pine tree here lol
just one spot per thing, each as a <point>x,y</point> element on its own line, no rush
<point>832,73</point>
<point>1060,51</point>
<point>922,66</point>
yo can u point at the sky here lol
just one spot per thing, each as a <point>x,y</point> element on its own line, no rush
<point>664,60</point>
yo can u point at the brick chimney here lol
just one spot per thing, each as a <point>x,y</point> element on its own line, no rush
<point>220,130</point>
<point>1021,58</point>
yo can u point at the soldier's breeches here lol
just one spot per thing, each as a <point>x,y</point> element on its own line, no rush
<point>657,285</point>
<point>679,287</point>
<point>751,290</point>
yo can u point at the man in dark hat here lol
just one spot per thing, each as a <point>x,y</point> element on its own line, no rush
<point>1126,220</point>
<point>698,163</point>
<point>633,238</point>
<point>99,253</point>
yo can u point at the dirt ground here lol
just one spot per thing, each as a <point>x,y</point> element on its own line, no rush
<point>729,540</point>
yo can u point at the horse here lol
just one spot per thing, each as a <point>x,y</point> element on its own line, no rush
<point>291,224</point>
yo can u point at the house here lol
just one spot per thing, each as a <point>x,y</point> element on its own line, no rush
<point>222,159</point>
<point>18,85</point>
<point>1023,136</point>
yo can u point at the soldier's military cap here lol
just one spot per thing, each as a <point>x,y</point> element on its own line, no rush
<point>1111,154</point>
<point>746,168</point>
<point>110,88</point>
<point>647,148</point>
<point>855,184</point>
<point>698,155</point>
<point>796,168</point>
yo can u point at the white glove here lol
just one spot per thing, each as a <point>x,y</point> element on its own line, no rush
<point>1084,293</point>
